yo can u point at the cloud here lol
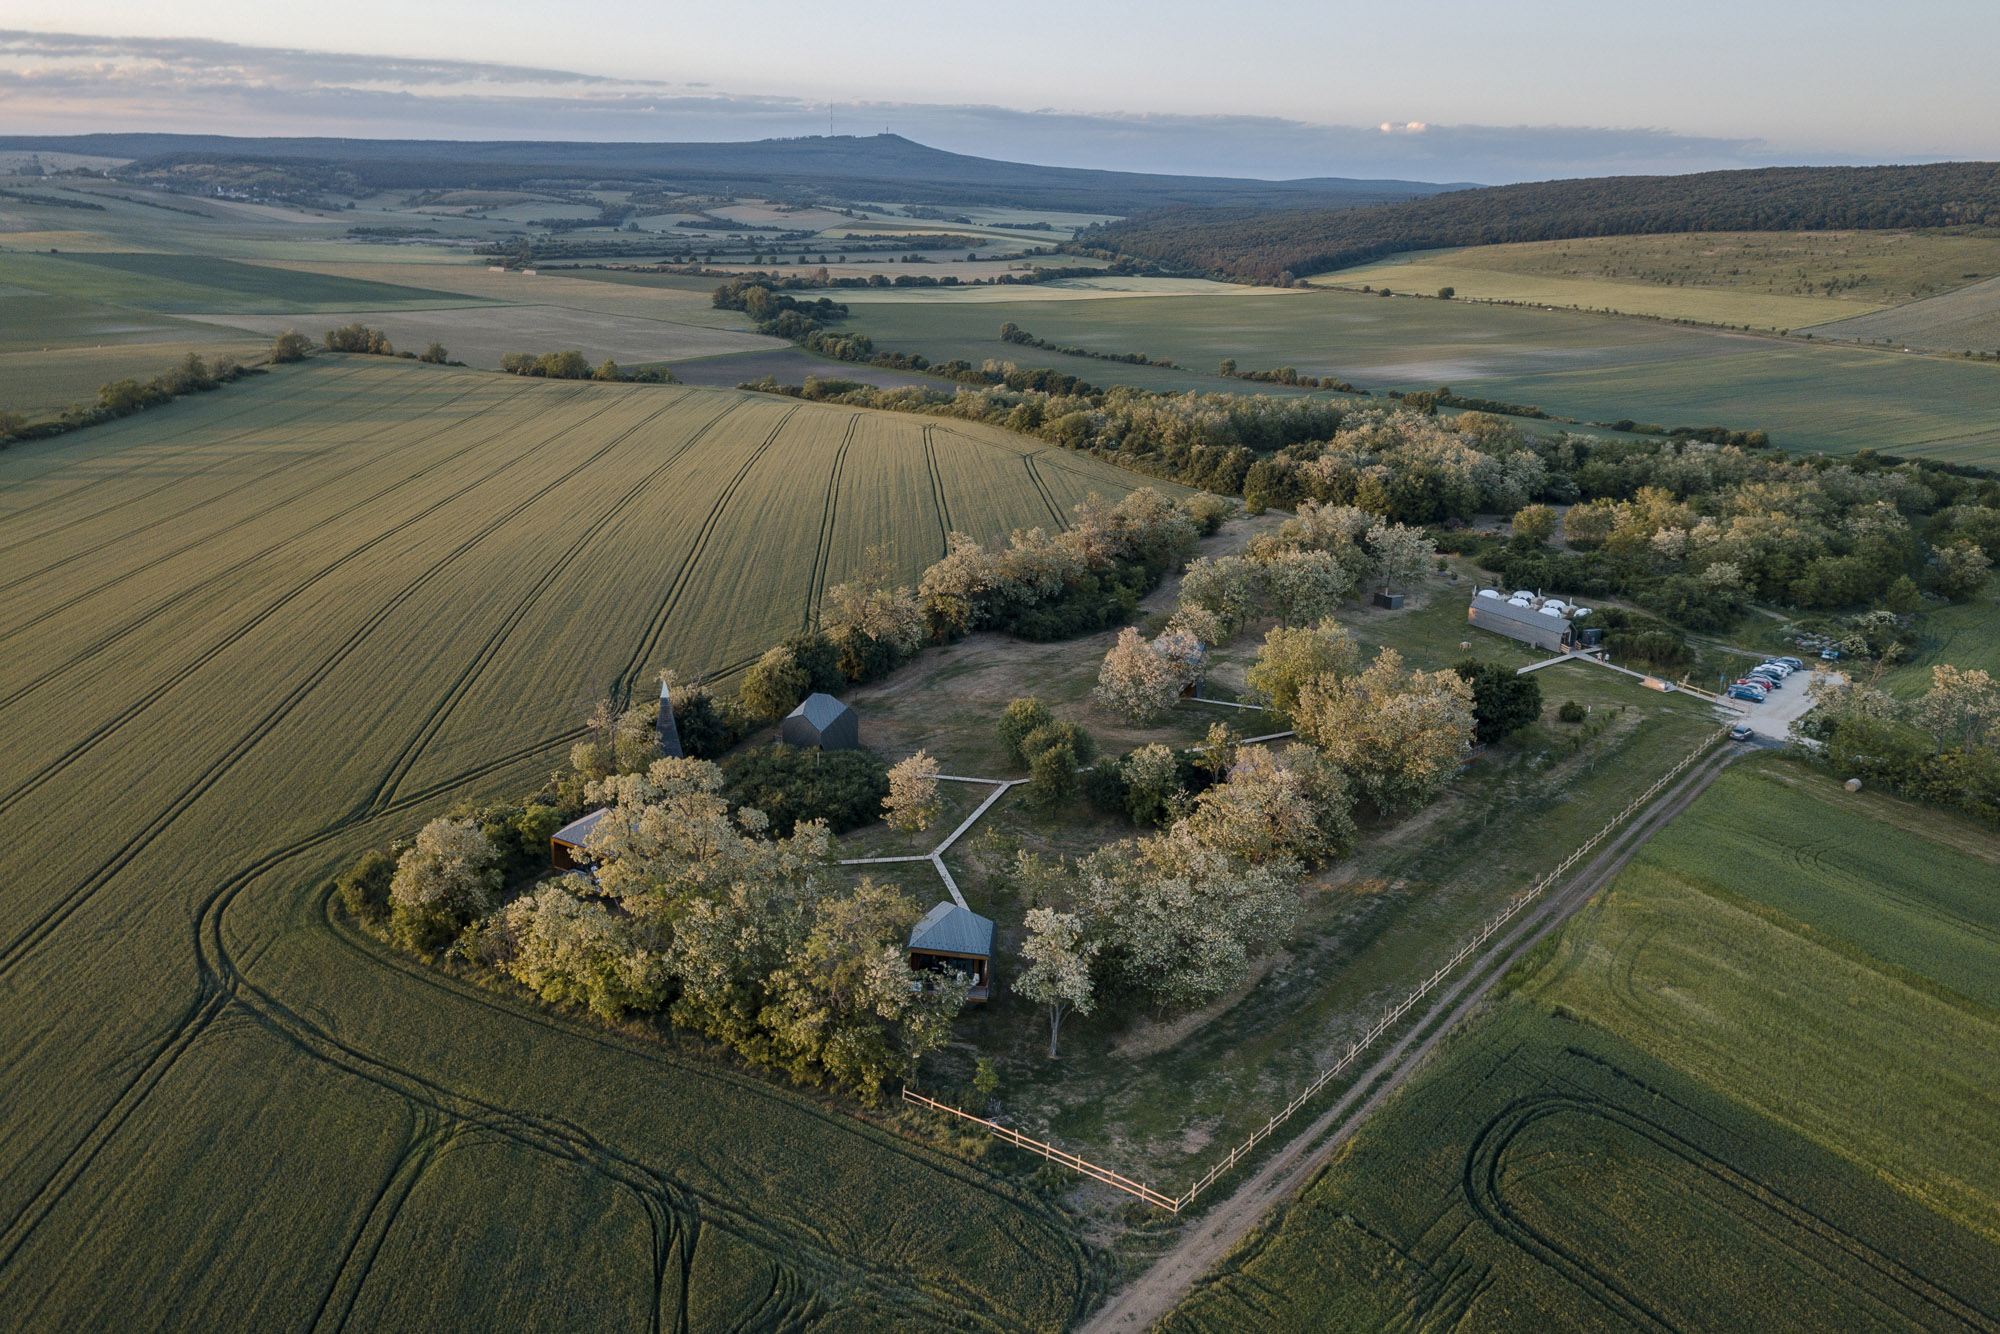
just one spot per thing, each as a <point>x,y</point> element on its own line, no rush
<point>61,83</point>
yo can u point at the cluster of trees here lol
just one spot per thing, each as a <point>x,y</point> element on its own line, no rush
<point>775,312</point>
<point>122,398</point>
<point>1085,578</point>
<point>573,365</point>
<point>358,337</point>
<point>1287,375</point>
<point>1942,747</point>
<point>1172,919</point>
<point>1011,332</point>
<point>716,899</point>
<point>1272,246</point>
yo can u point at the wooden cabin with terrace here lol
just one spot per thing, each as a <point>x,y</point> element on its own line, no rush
<point>951,939</point>
<point>566,844</point>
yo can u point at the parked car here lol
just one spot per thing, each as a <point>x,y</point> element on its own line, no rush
<point>1741,732</point>
<point>1772,664</point>
<point>1829,655</point>
<point>1749,693</point>
<point>1756,683</point>
<point>1777,682</point>
<point>1793,663</point>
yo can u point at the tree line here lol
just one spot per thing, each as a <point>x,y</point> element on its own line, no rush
<point>1279,246</point>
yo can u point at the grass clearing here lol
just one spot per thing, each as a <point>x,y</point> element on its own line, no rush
<point>1697,1111</point>
<point>252,632</point>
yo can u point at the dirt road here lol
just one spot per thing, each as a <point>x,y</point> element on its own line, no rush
<point>1144,1301</point>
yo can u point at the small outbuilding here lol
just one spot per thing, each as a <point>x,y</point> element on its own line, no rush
<point>951,939</point>
<point>1551,631</point>
<point>821,722</point>
<point>566,844</point>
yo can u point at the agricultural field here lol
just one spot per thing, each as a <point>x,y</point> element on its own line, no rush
<point>1748,1088</point>
<point>257,630</point>
<point>1590,367</point>
<point>1966,320</point>
<point>1763,280</point>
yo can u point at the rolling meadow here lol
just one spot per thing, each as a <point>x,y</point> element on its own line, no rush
<point>251,633</point>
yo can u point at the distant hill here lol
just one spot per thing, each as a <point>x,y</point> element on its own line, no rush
<point>883,166</point>
<point>1262,245</point>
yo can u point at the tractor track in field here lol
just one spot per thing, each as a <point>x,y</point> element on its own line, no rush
<point>823,554</point>
<point>1042,485</point>
<point>239,407</point>
<point>476,667</point>
<point>678,1213</point>
<point>649,642</point>
<point>1480,1180</point>
<point>17,948</point>
<point>183,673</point>
<point>937,492</point>
<point>97,646</point>
<point>56,609</point>
<point>1210,1237</point>
<point>286,464</point>
<point>344,1288</point>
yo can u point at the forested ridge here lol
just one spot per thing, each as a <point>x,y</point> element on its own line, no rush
<point>1266,246</point>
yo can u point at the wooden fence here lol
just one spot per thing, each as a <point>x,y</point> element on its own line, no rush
<point>1355,1050</point>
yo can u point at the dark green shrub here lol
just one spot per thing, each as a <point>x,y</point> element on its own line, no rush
<point>1080,743</point>
<point>1571,711</point>
<point>820,658</point>
<point>864,658</point>
<point>1052,776</point>
<point>1020,718</point>
<point>775,684</point>
<point>789,784</point>
<point>363,889</point>
<point>1104,789</point>
<point>1502,701</point>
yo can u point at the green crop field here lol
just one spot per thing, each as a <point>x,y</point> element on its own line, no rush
<point>1768,280</point>
<point>1966,320</point>
<point>1590,367</point>
<point>180,284</point>
<point>253,631</point>
<point>1749,1088</point>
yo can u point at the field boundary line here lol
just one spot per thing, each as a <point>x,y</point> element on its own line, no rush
<point>1359,1046</point>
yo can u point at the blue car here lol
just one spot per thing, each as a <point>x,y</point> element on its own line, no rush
<point>1751,693</point>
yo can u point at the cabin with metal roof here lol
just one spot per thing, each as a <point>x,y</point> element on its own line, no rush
<point>821,722</point>
<point>1552,631</point>
<point>951,939</point>
<point>566,844</point>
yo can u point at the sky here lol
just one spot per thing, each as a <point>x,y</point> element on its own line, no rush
<point>1427,89</point>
